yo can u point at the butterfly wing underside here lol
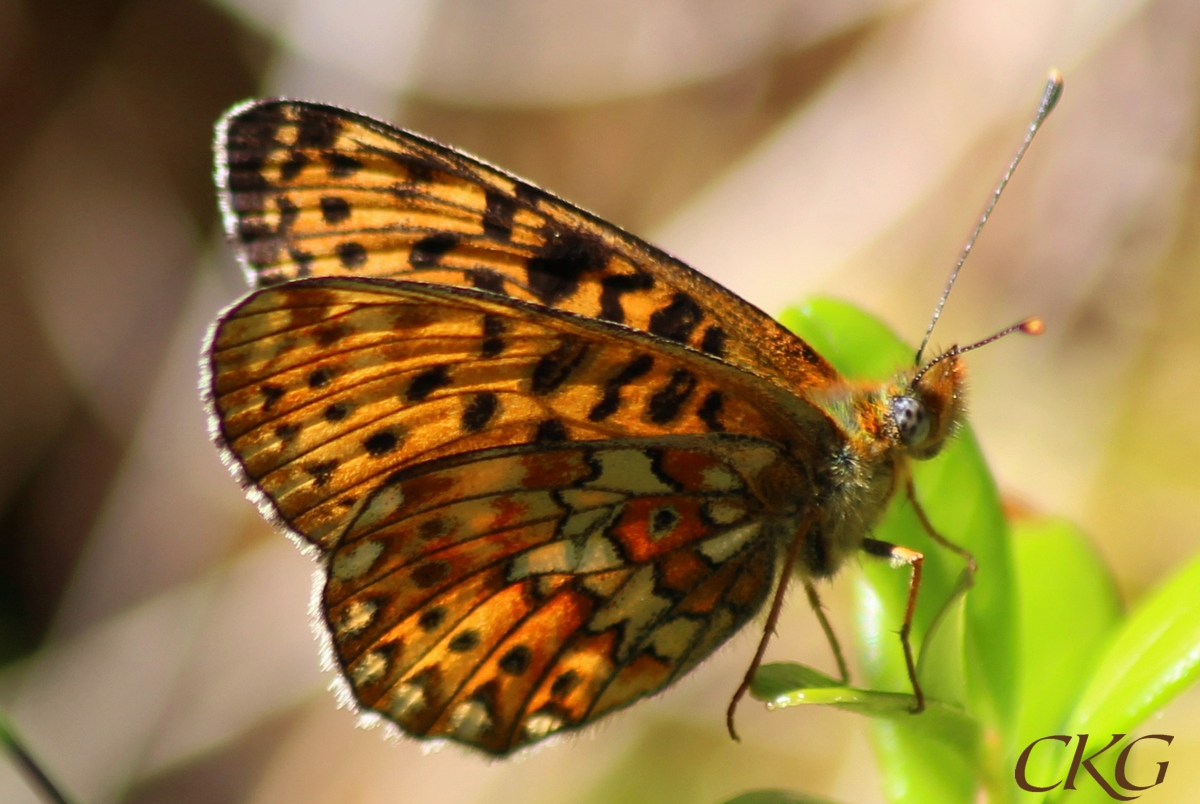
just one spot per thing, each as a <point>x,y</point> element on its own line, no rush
<point>313,190</point>
<point>527,518</point>
<point>502,596</point>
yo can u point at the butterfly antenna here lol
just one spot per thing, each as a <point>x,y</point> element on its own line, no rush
<point>1050,96</point>
<point>1030,326</point>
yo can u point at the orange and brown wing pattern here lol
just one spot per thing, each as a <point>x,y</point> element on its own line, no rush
<point>313,190</point>
<point>498,597</point>
<point>323,388</point>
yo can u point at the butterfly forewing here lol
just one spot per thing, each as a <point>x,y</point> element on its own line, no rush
<point>500,596</point>
<point>312,190</point>
<point>324,387</point>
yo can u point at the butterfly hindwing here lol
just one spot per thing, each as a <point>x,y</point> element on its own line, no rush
<point>496,597</point>
<point>322,388</point>
<point>313,190</point>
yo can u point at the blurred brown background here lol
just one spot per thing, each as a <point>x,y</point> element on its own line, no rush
<point>154,630</point>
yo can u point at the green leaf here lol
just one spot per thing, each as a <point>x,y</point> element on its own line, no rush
<point>782,678</point>
<point>1153,656</point>
<point>958,494</point>
<point>1068,610</point>
<point>784,684</point>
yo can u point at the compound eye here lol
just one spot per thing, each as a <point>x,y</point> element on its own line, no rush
<point>912,420</point>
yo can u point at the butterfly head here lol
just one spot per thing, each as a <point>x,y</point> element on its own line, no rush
<point>928,408</point>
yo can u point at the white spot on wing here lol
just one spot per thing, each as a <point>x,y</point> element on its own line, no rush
<point>672,639</point>
<point>541,724</point>
<point>628,470</point>
<point>718,478</point>
<point>636,605</point>
<point>598,554</point>
<point>725,512</point>
<point>561,556</point>
<point>719,548</point>
<point>352,563</point>
<point>355,617</point>
<point>752,460</point>
<point>406,699</point>
<point>369,668</point>
<point>381,505</point>
<point>470,719</point>
<point>585,499</point>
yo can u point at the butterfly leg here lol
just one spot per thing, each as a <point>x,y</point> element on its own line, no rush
<point>965,580</point>
<point>971,568</point>
<point>904,555</point>
<point>772,619</point>
<point>815,602</point>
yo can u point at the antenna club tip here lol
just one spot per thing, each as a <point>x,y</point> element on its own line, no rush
<point>1033,326</point>
<point>1054,86</point>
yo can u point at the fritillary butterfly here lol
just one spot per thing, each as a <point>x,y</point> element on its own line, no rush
<point>546,468</point>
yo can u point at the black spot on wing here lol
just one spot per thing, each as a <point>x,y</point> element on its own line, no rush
<point>710,411</point>
<point>303,260</point>
<point>295,164</point>
<point>667,402</point>
<point>614,287</point>
<point>340,165</point>
<point>334,209</point>
<point>479,411</point>
<point>610,402</point>
<point>428,250</point>
<point>516,660</point>
<point>288,212</point>
<point>493,328</point>
<point>555,367</point>
<point>431,618</point>
<point>483,279</point>
<point>418,168</point>
<point>271,395</point>
<point>498,215</point>
<point>330,334</point>
<point>464,641</point>
<point>554,273</point>
<point>381,443</point>
<point>433,528</point>
<point>286,431</point>
<point>563,685</point>
<point>321,472</point>
<point>426,383</point>
<point>336,412</point>
<point>317,128</point>
<point>431,572</point>
<point>352,255</point>
<point>550,431</point>
<point>677,320</point>
<point>319,378</point>
<point>714,341</point>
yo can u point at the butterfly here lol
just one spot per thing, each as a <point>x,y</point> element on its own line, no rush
<point>546,468</point>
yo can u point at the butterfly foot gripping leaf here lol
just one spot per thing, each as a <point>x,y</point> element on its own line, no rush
<point>547,468</point>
